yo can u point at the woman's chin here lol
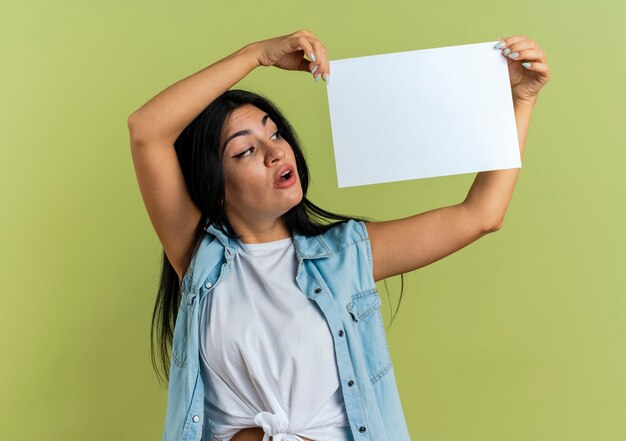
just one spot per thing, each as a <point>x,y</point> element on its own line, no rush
<point>293,200</point>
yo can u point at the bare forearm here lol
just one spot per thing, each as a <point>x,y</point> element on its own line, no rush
<point>491,191</point>
<point>166,115</point>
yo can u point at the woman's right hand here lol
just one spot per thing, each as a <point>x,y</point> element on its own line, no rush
<point>287,52</point>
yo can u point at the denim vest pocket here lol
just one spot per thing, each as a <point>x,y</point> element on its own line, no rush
<point>367,320</point>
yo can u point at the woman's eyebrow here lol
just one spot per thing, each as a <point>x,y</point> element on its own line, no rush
<point>243,132</point>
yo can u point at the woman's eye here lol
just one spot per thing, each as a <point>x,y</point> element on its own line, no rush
<point>242,154</point>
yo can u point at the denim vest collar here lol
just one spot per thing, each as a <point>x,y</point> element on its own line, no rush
<point>307,247</point>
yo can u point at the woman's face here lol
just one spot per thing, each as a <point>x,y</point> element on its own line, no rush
<point>252,161</point>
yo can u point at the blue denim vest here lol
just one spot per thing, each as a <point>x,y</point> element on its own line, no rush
<point>335,271</point>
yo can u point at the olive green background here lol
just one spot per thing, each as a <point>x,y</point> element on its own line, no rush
<point>518,336</point>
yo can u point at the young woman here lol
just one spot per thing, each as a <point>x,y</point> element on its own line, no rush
<point>273,316</point>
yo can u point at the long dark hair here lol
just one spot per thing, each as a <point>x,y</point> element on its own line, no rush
<point>197,148</point>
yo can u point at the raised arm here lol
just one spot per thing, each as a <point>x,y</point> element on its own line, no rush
<point>165,116</point>
<point>404,245</point>
<point>156,125</point>
<point>153,129</point>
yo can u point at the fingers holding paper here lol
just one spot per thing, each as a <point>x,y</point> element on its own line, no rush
<point>289,51</point>
<point>528,67</point>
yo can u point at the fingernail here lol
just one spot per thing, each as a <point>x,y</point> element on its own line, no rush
<point>314,69</point>
<point>317,78</point>
<point>506,51</point>
<point>312,55</point>
<point>500,45</point>
<point>327,79</point>
<point>514,55</point>
<point>526,65</point>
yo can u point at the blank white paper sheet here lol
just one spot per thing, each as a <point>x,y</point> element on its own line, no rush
<point>421,114</point>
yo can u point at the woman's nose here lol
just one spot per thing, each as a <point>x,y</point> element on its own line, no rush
<point>274,153</point>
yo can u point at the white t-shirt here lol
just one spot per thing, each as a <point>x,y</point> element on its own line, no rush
<point>267,355</point>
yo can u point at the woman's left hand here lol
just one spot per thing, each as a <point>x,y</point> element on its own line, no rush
<point>526,80</point>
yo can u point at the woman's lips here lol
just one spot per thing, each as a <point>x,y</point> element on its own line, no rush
<point>287,183</point>
<point>281,171</point>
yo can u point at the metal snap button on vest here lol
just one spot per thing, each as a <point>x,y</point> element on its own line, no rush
<point>317,290</point>
<point>341,333</point>
<point>350,383</point>
<point>196,418</point>
<point>362,429</point>
<point>208,285</point>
